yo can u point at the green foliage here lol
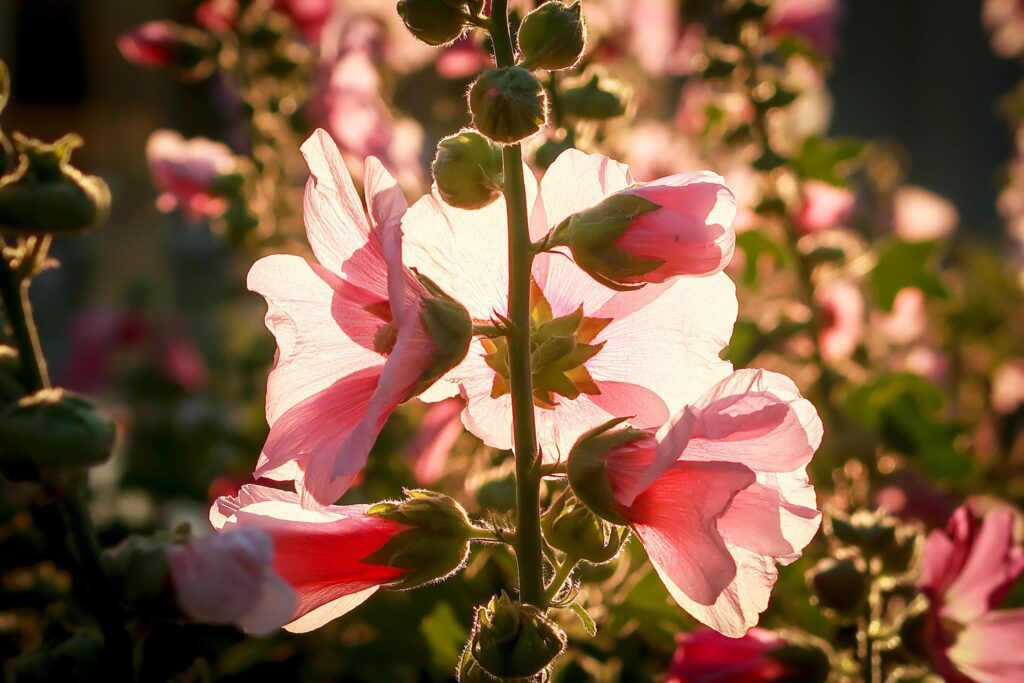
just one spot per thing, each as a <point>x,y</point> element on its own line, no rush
<point>906,264</point>
<point>827,160</point>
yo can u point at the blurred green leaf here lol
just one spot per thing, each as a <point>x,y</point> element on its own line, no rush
<point>827,160</point>
<point>444,635</point>
<point>905,264</point>
<point>588,621</point>
<point>756,244</point>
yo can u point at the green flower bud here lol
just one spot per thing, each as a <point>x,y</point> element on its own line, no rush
<point>138,569</point>
<point>47,194</point>
<point>435,22</point>
<point>599,99</point>
<point>508,104</point>
<point>467,170</point>
<point>839,584</point>
<point>450,328</point>
<point>512,640</point>
<point>54,429</point>
<point>586,468</point>
<point>436,544</point>
<point>574,529</point>
<point>553,36</point>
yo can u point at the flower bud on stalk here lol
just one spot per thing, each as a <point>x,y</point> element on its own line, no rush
<point>187,52</point>
<point>436,22</point>
<point>587,471</point>
<point>553,36</point>
<point>508,104</point>
<point>574,529</point>
<point>53,429</point>
<point>599,99</point>
<point>46,194</point>
<point>513,640</point>
<point>467,170</point>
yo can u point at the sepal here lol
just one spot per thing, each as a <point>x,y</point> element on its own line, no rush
<point>514,640</point>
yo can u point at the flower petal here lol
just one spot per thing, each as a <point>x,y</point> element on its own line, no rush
<point>992,566</point>
<point>988,650</point>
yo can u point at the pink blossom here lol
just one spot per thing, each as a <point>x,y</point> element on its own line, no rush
<point>911,497</point>
<point>439,429</point>
<point>277,564</point>
<point>154,43</point>
<point>697,96</point>
<point>463,58</point>
<point>925,360</point>
<point>908,320</point>
<point>352,342</point>
<point>842,327</point>
<point>309,16</point>
<point>719,495</point>
<point>706,656</point>
<point>623,339</point>
<point>1008,386</point>
<point>1005,20</point>
<point>966,573</point>
<point>185,171</point>
<point>183,362</point>
<point>825,206</point>
<point>920,215</point>
<point>815,21</point>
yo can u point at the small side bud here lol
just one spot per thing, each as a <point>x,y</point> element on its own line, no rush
<point>513,640</point>
<point>435,22</point>
<point>598,99</point>
<point>588,477</point>
<point>140,572</point>
<point>574,529</point>
<point>839,584</point>
<point>508,104</point>
<point>434,546</point>
<point>553,36</point>
<point>46,194</point>
<point>450,328</point>
<point>54,429</point>
<point>467,170</point>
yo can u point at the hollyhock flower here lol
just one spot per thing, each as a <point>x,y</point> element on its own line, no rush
<point>1008,386</point>
<point>440,427</point>
<point>842,327</point>
<point>612,347</point>
<point>186,171</point>
<point>463,58</point>
<point>697,96</point>
<point>717,496</point>
<point>309,16</point>
<point>1005,20</point>
<point>277,564</point>
<point>907,321</point>
<point>151,44</point>
<point>357,332</point>
<point>967,571</point>
<point>920,215</point>
<point>706,656</point>
<point>913,498</point>
<point>816,21</point>
<point>825,206</point>
<point>927,361</point>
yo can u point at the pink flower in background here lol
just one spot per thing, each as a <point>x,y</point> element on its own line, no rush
<point>815,21</point>
<point>1008,386</point>
<point>654,150</point>
<point>825,206</point>
<point>440,427</point>
<point>695,98</point>
<point>463,58</point>
<point>912,498</point>
<point>706,656</point>
<point>1005,21</point>
<point>720,495</point>
<point>309,16</point>
<point>277,564</point>
<point>154,43</point>
<point>842,327</point>
<point>966,573</point>
<point>920,215</point>
<point>927,361</point>
<point>352,343</point>
<point>908,320</point>
<point>617,366</point>
<point>185,171</point>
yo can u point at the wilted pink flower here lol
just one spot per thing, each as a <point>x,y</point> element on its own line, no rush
<point>920,215</point>
<point>1008,386</point>
<point>185,171</point>
<point>154,43</point>
<point>816,21</point>
<point>439,429</point>
<point>719,495</point>
<point>842,327</point>
<point>621,340</point>
<point>966,573</point>
<point>706,656</point>
<point>352,342</point>
<point>907,321</point>
<point>825,206</point>
<point>1005,20</point>
<point>277,564</point>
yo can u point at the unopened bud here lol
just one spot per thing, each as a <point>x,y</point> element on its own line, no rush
<point>574,529</point>
<point>467,170</point>
<point>435,22</point>
<point>54,429</point>
<point>139,571</point>
<point>513,640</point>
<point>587,471</point>
<point>46,194</point>
<point>434,546</point>
<point>508,104</point>
<point>187,52</point>
<point>450,328</point>
<point>840,585</point>
<point>599,99</point>
<point>553,36</point>
<point>470,671</point>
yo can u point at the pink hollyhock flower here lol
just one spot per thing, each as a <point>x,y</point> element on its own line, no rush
<point>185,171</point>
<point>825,206</point>
<point>619,340</point>
<point>277,564</point>
<point>718,496</point>
<point>153,44</point>
<point>309,16</point>
<point>908,320</point>
<point>1005,20</point>
<point>463,58</point>
<point>706,656</point>
<point>816,21</point>
<point>927,361</point>
<point>911,497</point>
<point>351,332</point>
<point>697,96</point>
<point>842,328</point>
<point>920,215</point>
<point>439,429</point>
<point>1008,386</point>
<point>966,573</point>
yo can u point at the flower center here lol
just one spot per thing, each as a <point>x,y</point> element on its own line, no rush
<point>559,349</point>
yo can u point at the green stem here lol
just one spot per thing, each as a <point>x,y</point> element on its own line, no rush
<point>520,261</point>
<point>14,292</point>
<point>559,579</point>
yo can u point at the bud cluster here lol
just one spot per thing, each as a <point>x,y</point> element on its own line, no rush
<point>511,641</point>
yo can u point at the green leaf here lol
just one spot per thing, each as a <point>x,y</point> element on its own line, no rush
<point>827,160</point>
<point>906,264</point>
<point>444,635</point>
<point>588,621</point>
<point>755,244</point>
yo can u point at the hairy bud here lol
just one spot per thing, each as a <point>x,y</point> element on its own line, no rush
<point>574,529</point>
<point>467,170</point>
<point>599,98</point>
<point>450,328</point>
<point>513,640</point>
<point>588,477</point>
<point>508,104</point>
<point>553,36</point>
<point>435,22</point>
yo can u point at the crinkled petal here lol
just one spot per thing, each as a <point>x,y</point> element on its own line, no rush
<point>989,649</point>
<point>992,566</point>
